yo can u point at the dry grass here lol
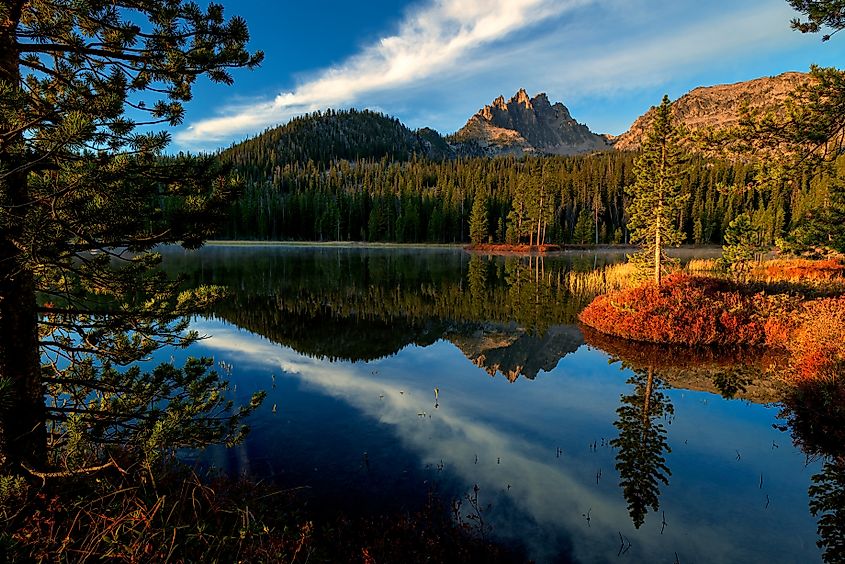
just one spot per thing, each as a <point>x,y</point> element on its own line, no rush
<point>699,266</point>
<point>595,282</point>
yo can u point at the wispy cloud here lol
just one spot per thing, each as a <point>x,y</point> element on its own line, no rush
<point>447,57</point>
<point>636,61</point>
<point>429,39</point>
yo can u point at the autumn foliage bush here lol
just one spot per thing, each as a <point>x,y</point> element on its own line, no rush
<point>800,269</point>
<point>697,310</point>
<point>691,310</point>
<point>817,344</point>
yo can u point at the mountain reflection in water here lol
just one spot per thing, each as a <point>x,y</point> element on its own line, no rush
<point>584,455</point>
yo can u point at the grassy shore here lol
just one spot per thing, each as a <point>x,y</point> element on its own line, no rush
<point>333,244</point>
<point>683,252</point>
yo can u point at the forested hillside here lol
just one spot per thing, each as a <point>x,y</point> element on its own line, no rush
<point>324,137</point>
<point>364,176</point>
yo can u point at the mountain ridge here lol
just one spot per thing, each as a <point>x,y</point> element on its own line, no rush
<point>719,106</point>
<point>519,126</point>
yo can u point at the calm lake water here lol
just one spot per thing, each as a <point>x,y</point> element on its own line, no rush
<point>392,372</point>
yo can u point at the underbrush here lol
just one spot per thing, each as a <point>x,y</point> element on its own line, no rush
<point>691,310</point>
<point>172,514</point>
<point>169,514</point>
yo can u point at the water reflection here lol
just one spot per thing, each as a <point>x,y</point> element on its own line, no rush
<point>815,414</point>
<point>352,344</point>
<point>641,443</point>
<point>362,305</point>
<point>732,373</point>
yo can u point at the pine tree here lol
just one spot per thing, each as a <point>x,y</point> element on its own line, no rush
<point>741,244</point>
<point>76,177</point>
<point>478,219</point>
<point>583,228</point>
<point>656,193</point>
<point>820,14</point>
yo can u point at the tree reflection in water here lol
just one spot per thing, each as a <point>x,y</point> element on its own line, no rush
<point>815,414</point>
<point>642,443</point>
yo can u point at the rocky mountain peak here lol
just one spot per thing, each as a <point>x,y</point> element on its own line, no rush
<point>525,125</point>
<point>521,98</point>
<point>541,99</point>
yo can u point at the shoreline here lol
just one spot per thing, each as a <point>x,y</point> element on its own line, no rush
<point>331,244</point>
<point>505,250</point>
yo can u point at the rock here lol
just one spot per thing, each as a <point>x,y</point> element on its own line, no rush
<point>719,106</point>
<point>524,125</point>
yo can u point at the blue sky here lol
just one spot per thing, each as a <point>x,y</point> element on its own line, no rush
<point>436,62</point>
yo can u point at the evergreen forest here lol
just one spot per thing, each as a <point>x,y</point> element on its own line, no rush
<point>363,176</point>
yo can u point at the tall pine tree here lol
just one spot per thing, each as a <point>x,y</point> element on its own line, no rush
<point>656,193</point>
<point>84,197</point>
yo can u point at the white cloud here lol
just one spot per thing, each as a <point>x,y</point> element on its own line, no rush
<point>429,40</point>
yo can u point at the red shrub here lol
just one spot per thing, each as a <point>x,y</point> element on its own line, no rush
<point>691,310</point>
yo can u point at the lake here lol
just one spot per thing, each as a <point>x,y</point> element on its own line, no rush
<point>392,372</point>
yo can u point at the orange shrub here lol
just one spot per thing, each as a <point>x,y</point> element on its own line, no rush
<point>690,310</point>
<point>817,345</point>
<point>801,269</point>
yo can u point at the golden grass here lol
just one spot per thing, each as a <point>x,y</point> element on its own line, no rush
<point>602,280</point>
<point>696,266</point>
<point>775,276</point>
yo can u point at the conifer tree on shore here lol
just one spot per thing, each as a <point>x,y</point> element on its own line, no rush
<point>84,197</point>
<point>656,193</point>
<point>478,219</point>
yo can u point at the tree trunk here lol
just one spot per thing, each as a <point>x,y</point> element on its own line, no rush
<point>596,221</point>
<point>657,243</point>
<point>22,419</point>
<point>22,423</point>
<point>539,220</point>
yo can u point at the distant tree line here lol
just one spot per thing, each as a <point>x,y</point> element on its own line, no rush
<point>362,176</point>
